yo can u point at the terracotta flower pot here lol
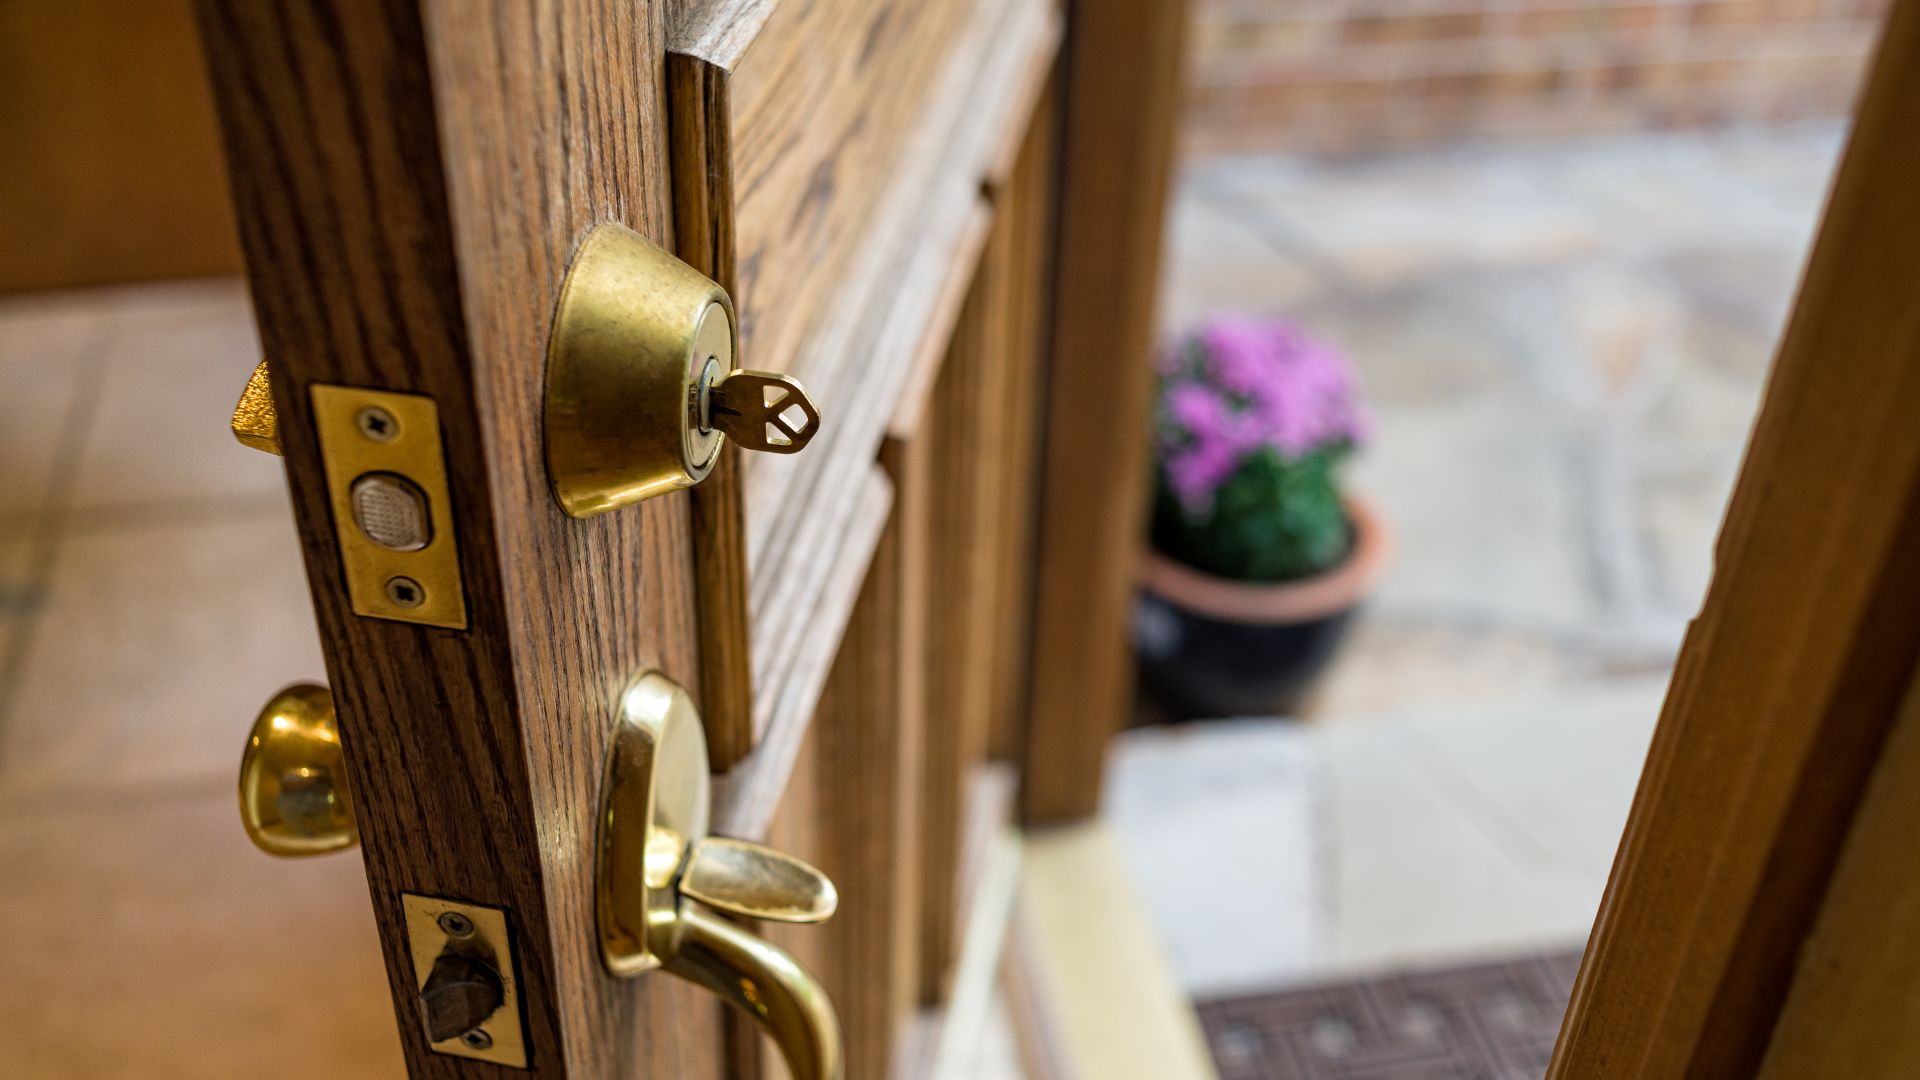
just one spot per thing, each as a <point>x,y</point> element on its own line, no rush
<point>1213,647</point>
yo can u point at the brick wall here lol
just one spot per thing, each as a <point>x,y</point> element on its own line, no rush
<point>1336,75</point>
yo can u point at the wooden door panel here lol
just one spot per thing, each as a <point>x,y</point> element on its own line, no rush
<point>852,809</point>
<point>851,298</point>
<point>808,108</point>
<point>410,181</point>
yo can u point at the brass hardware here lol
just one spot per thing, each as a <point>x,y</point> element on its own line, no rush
<point>463,968</point>
<point>656,860</point>
<point>392,510</point>
<point>641,387</point>
<point>294,801</point>
<point>255,423</point>
<point>293,784</point>
<point>387,480</point>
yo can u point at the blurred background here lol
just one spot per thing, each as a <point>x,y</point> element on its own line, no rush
<point>1554,242</point>
<point>1536,254</point>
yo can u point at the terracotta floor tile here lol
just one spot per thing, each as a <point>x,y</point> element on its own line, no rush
<point>155,646</point>
<point>46,363</point>
<point>149,939</point>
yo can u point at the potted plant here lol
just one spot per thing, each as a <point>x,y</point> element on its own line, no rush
<point>1258,558</point>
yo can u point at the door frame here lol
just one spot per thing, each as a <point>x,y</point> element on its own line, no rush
<point>1800,661</point>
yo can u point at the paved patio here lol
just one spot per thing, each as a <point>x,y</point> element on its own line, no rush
<point>1564,346</point>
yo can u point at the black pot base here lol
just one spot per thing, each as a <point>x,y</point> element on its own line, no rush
<point>1198,667</point>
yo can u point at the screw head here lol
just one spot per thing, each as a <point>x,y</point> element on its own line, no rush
<point>476,1039</point>
<point>377,424</point>
<point>455,925</point>
<point>405,592</point>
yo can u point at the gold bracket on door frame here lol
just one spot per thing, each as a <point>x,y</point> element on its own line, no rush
<point>436,926</point>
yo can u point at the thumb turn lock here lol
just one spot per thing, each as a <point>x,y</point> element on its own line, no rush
<point>660,879</point>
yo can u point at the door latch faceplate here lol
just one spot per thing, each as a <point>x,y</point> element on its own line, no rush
<point>442,930</point>
<point>392,511</point>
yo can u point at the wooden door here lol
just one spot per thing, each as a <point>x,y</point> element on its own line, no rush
<point>876,185</point>
<point>1759,921</point>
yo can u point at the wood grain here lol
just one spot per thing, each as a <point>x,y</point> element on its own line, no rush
<point>943,1042</point>
<point>1122,88</point>
<point>112,168</point>
<point>703,232</point>
<point>882,317</point>
<point>410,181</point>
<point>1791,677</point>
<point>819,174</point>
<point>748,796</point>
<point>1024,195</point>
<point>1854,1008</point>
<point>820,98</point>
<point>961,431</point>
<point>852,810</point>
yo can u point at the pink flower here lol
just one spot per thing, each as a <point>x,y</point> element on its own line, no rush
<point>1241,385</point>
<point>1197,473</point>
<point>1196,407</point>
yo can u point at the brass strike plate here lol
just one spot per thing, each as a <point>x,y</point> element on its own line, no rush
<point>384,449</point>
<point>504,1042</point>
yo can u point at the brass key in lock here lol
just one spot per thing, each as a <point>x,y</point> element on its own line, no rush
<point>642,391</point>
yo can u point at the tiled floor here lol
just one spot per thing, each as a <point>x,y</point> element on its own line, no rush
<point>151,597</point>
<point>1563,346</point>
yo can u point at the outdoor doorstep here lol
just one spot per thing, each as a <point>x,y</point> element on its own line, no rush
<point>156,643</point>
<point>1272,852</point>
<point>1417,878</point>
<point>1217,823</point>
<point>1553,776</point>
<point>150,939</point>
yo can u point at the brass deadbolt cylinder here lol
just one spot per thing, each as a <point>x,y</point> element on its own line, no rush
<point>635,334</point>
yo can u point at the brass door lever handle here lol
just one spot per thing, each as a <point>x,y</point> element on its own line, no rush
<point>658,866</point>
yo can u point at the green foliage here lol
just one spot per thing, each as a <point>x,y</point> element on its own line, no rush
<point>1275,519</point>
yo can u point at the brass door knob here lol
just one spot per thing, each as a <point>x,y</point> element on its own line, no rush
<point>659,872</point>
<point>293,784</point>
<point>641,389</point>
